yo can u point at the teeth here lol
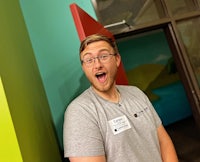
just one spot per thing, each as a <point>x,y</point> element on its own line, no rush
<point>98,74</point>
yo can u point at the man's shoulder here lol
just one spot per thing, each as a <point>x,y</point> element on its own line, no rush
<point>83,96</point>
<point>82,104</point>
<point>128,88</point>
<point>84,99</point>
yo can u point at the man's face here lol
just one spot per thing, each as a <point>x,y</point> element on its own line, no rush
<point>101,74</point>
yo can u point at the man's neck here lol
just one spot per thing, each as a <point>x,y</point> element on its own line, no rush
<point>112,95</point>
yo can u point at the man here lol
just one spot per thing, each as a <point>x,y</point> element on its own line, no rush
<point>109,122</point>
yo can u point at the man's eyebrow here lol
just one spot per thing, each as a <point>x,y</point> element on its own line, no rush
<point>102,50</point>
<point>87,54</point>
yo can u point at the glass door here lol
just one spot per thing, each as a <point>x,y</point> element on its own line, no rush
<point>124,15</point>
<point>150,65</point>
<point>190,35</point>
<point>180,21</point>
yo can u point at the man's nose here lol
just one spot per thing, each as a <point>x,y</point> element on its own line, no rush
<point>97,62</point>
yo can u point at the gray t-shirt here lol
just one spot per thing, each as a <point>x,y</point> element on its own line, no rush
<point>123,132</point>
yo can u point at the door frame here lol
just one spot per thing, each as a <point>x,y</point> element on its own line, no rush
<point>181,59</point>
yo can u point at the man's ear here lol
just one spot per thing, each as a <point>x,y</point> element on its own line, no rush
<point>82,68</point>
<point>118,59</point>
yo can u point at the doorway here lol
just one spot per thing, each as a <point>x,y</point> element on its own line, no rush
<point>149,64</point>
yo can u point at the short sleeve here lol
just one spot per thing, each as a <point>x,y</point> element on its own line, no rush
<point>81,133</point>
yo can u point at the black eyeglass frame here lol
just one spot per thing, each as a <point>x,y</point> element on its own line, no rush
<point>100,58</point>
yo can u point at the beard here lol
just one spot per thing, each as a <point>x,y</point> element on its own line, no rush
<point>109,84</point>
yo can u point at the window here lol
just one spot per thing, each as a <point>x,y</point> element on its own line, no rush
<point>179,7</point>
<point>122,15</point>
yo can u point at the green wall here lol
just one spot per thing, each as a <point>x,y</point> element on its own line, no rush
<point>55,43</point>
<point>24,88</point>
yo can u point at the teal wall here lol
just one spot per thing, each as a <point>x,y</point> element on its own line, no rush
<point>150,48</point>
<point>55,43</point>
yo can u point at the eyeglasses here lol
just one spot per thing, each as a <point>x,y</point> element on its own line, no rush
<point>103,58</point>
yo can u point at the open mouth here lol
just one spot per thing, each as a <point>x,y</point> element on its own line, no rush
<point>101,77</point>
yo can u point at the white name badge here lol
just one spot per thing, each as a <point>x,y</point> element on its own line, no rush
<point>119,124</point>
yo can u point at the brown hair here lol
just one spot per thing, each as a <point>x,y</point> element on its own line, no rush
<point>96,38</point>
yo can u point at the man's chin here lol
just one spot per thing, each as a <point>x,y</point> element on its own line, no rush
<point>101,88</point>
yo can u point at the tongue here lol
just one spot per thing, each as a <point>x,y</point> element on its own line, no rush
<point>102,78</point>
